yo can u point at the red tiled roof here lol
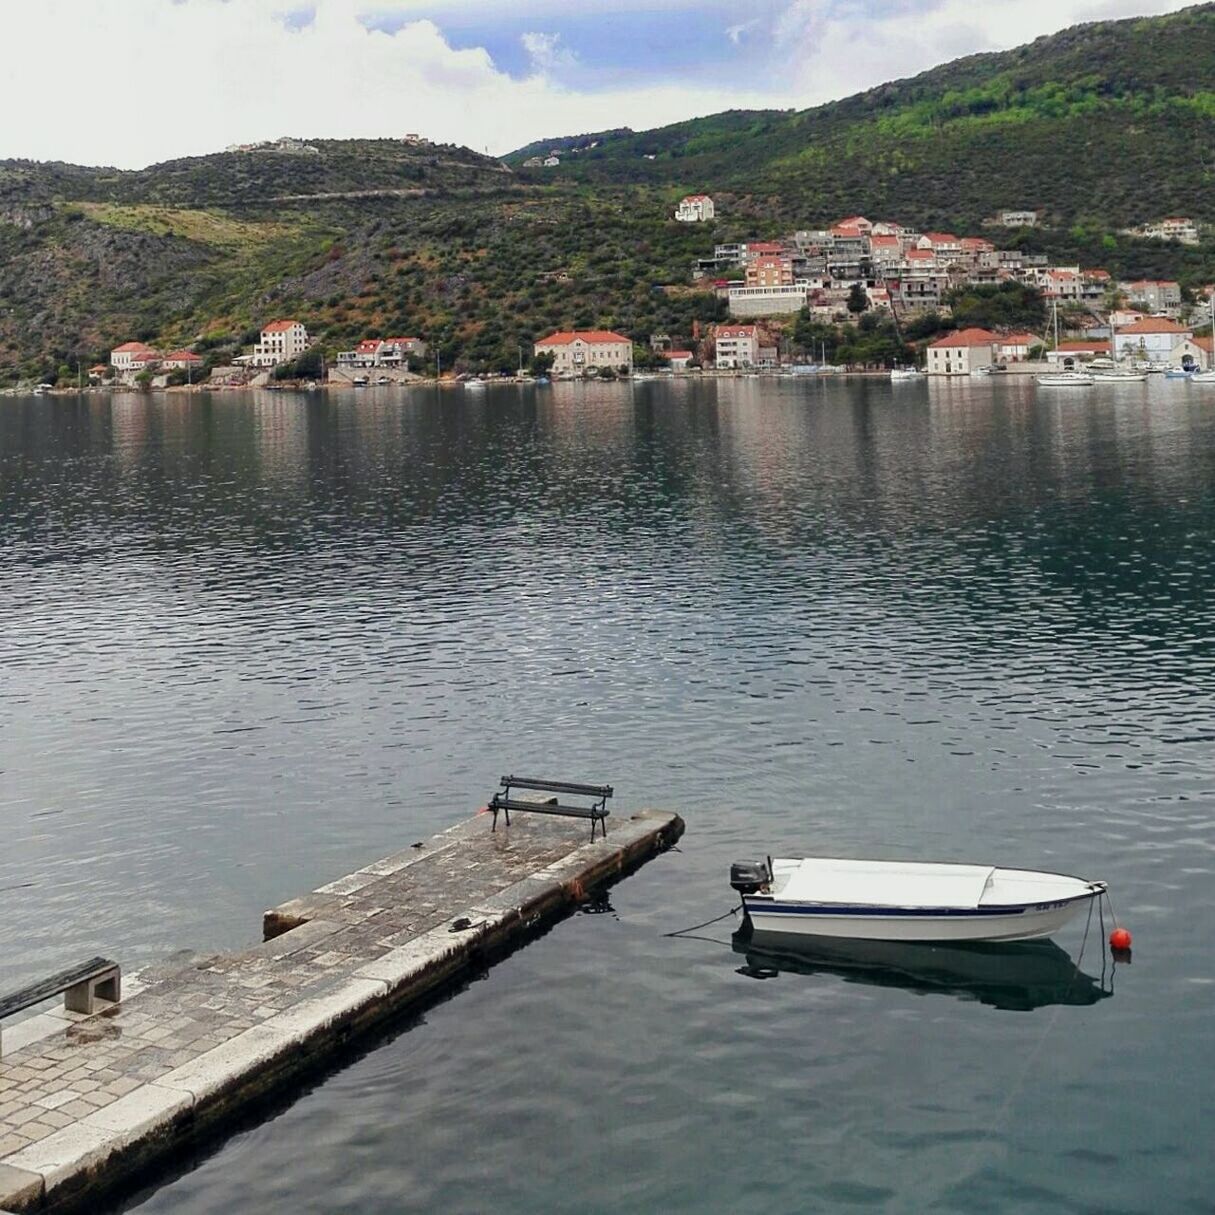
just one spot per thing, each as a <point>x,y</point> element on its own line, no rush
<point>920,254</point>
<point>696,198</point>
<point>1154,324</point>
<point>182,356</point>
<point>679,354</point>
<point>279,326</point>
<point>1152,282</point>
<point>593,337</point>
<point>1205,343</point>
<point>132,348</point>
<point>1017,339</point>
<point>765,246</point>
<point>942,238</point>
<point>368,346</point>
<point>966,337</point>
<point>883,242</point>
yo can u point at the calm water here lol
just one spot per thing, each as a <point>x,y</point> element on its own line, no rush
<point>252,642</point>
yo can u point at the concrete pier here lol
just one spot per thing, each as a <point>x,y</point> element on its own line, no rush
<point>89,1102</point>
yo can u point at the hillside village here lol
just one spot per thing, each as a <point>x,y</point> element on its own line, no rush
<point>784,298</point>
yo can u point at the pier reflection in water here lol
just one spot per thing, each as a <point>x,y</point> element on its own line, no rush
<point>1016,977</point>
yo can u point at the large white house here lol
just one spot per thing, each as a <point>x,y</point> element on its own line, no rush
<point>281,342</point>
<point>695,209</point>
<point>737,346</point>
<point>580,351</point>
<point>962,352</point>
<point>1152,338</point>
<point>133,356</point>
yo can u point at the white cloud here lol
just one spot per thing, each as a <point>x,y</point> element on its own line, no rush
<point>736,33</point>
<point>136,81</point>
<point>837,47</point>
<point>547,53</point>
<point>133,81</point>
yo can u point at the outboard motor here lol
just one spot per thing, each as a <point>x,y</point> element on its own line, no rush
<point>748,877</point>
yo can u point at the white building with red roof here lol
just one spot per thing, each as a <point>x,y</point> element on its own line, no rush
<point>133,356</point>
<point>962,352</point>
<point>944,244</point>
<point>1015,347</point>
<point>695,209</point>
<point>736,346</point>
<point>181,360</point>
<point>580,351</point>
<point>1153,338</point>
<point>281,342</point>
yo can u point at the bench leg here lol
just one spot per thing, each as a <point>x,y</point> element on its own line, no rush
<point>83,997</point>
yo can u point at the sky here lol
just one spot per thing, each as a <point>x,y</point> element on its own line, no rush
<point>132,82</point>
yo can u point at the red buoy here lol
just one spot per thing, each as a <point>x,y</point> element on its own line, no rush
<point>1120,938</point>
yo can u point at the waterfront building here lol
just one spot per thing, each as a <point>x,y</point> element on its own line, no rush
<point>1015,347</point>
<point>181,360</point>
<point>132,357</point>
<point>679,359</point>
<point>281,342</point>
<point>582,351</point>
<point>695,209</point>
<point>962,352</point>
<point>1077,350</point>
<point>1152,338</point>
<point>737,346</point>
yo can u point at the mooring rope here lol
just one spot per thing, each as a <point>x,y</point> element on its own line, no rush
<point>706,924</point>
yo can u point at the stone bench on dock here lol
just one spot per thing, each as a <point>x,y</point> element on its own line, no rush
<point>81,987</point>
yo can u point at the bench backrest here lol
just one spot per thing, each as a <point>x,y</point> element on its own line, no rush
<point>555,786</point>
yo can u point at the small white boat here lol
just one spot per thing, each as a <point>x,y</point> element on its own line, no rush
<point>1065,379</point>
<point>905,373</point>
<point>1203,377</point>
<point>474,384</point>
<point>907,900</point>
<point>1178,373</point>
<point>1119,375</point>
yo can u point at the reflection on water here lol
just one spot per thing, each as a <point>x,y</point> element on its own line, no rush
<point>249,642</point>
<point>1016,977</point>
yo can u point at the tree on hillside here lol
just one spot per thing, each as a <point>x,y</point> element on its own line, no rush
<point>858,300</point>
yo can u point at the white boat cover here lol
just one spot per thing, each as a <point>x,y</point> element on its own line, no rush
<point>879,883</point>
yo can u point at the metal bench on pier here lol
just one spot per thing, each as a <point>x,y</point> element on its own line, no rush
<point>82,986</point>
<point>597,813</point>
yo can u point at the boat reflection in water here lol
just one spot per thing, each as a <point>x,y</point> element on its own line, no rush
<point>1017,976</point>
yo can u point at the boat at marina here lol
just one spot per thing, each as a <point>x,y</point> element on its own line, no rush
<point>1119,375</point>
<point>907,900</point>
<point>1065,379</point>
<point>1017,976</point>
<point>1178,373</point>
<point>898,374</point>
<point>474,384</point>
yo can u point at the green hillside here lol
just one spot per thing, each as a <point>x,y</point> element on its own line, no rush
<point>1113,121</point>
<point>1102,126</point>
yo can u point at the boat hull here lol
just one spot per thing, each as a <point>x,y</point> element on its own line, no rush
<point>1021,923</point>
